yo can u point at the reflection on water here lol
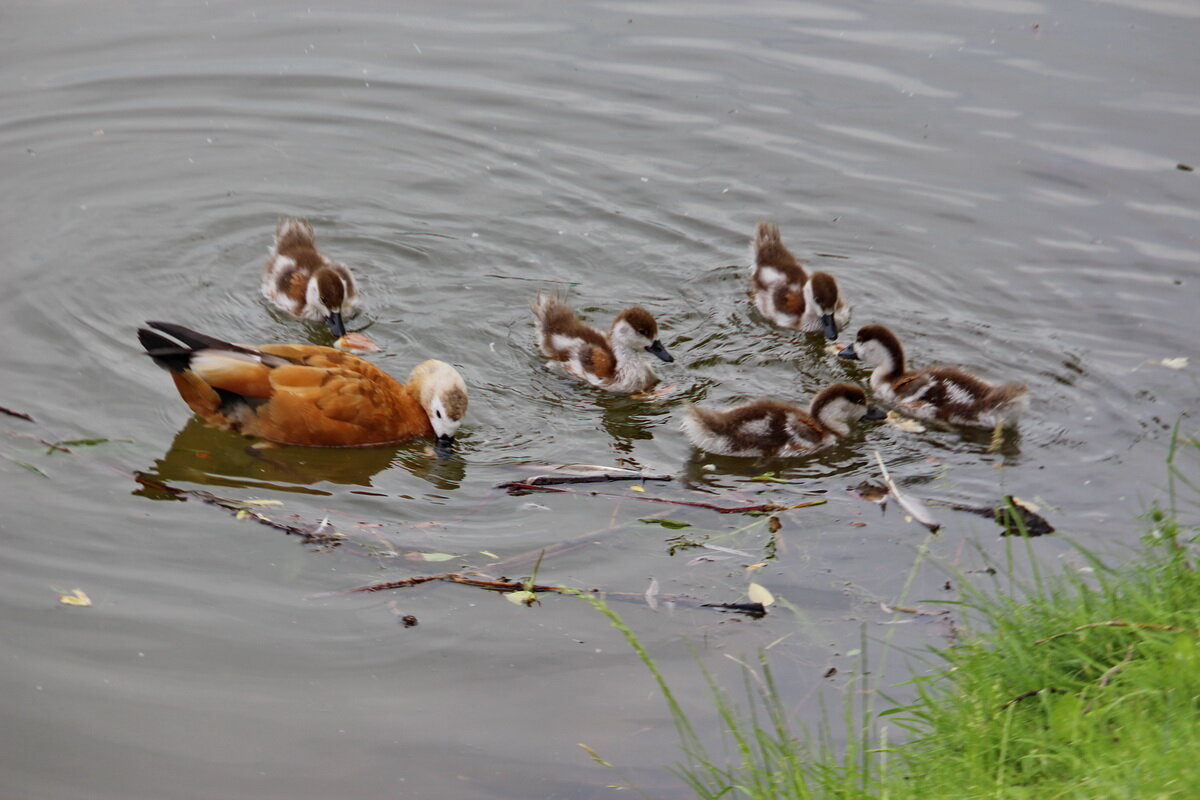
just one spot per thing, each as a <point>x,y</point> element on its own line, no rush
<point>200,454</point>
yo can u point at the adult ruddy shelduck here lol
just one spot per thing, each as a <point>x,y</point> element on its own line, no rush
<point>943,394</point>
<point>304,394</point>
<point>772,429</point>
<point>787,295</point>
<point>301,281</point>
<point>613,362</point>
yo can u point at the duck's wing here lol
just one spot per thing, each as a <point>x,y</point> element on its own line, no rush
<point>324,396</point>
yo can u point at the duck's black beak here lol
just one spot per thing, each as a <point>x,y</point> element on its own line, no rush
<point>848,353</point>
<point>444,446</point>
<point>335,324</point>
<point>830,327</point>
<point>874,412</point>
<point>656,347</point>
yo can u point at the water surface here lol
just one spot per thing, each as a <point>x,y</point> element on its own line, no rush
<point>996,181</point>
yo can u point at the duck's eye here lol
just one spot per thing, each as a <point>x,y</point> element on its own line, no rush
<point>439,413</point>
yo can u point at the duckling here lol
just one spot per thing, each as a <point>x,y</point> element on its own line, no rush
<point>611,362</point>
<point>788,296</point>
<point>944,394</point>
<point>772,429</point>
<point>300,281</point>
<point>304,394</point>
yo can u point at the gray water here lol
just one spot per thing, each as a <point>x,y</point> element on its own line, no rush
<point>995,180</point>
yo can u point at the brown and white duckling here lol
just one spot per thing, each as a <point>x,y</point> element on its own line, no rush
<point>772,429</point>
<point>944,394</point>
<point>788,296</point>
<point>300,281</point>
<point>613,362</point>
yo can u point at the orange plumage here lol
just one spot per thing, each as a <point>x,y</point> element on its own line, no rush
<point>304,394</point>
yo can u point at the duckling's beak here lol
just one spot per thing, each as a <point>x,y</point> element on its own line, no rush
<point>656,347</point>
<point>830,327</point>
<point>848,353</point>
<point>875,413</point>
<point>335,323</point>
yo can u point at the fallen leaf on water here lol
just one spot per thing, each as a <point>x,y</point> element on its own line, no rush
<point>521,597</point>
<point>903,423</point>
<point>1175,363</point>
<point>773,524</point>
<point>759,594</point>
<point>254,501</point>
<point>77,597</point>
<point>637,488</point>
<point>437,556</point>
<point>768,477</point>
<point>241,514</point>
<point>489,554</point>
<point>666,523</point>
<point>356,341</point>
<point>753,567</point>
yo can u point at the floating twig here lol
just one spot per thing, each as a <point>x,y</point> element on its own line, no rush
<point>508,585</point>
<point>917,611</point>
<point>518,486</point>
<point>17,414</point>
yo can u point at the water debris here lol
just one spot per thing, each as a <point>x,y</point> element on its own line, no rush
<point>912,505</point>
<point>1185,167</point>
<point>903,423</point>
<point>76,597</point>
<point>432,556</point>
<point>666,523</point>
<point>17,414</point>
<point>1015,516</point>
<point>652,594</point>
<point>916,611</point>
<point>752,609</point>
<point>759,594</point>
<point>588,473</point>
<point>768,477</point>
<point>729,550</point>
<point>522,597</point>
<point>1175,363</point>
<point>871,492</point>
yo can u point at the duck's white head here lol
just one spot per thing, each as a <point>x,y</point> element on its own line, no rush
<point>634,328</point>
<point>841,404</point>
<point>821,299</point>
<point>876,346</point>
<point>443,394</point>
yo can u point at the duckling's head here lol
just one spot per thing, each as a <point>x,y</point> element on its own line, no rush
<point>836,406</point>
<point>875,345</point>
<point>327,293</point>
<point>821,295</point>
<point>634,328</point>
<point>442,392</point>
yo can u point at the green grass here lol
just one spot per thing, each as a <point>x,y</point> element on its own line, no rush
<point>1080,684</point>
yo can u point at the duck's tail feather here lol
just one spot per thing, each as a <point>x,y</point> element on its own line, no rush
<point>292,233</point>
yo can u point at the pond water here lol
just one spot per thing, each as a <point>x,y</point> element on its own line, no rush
<point>997,181</point>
